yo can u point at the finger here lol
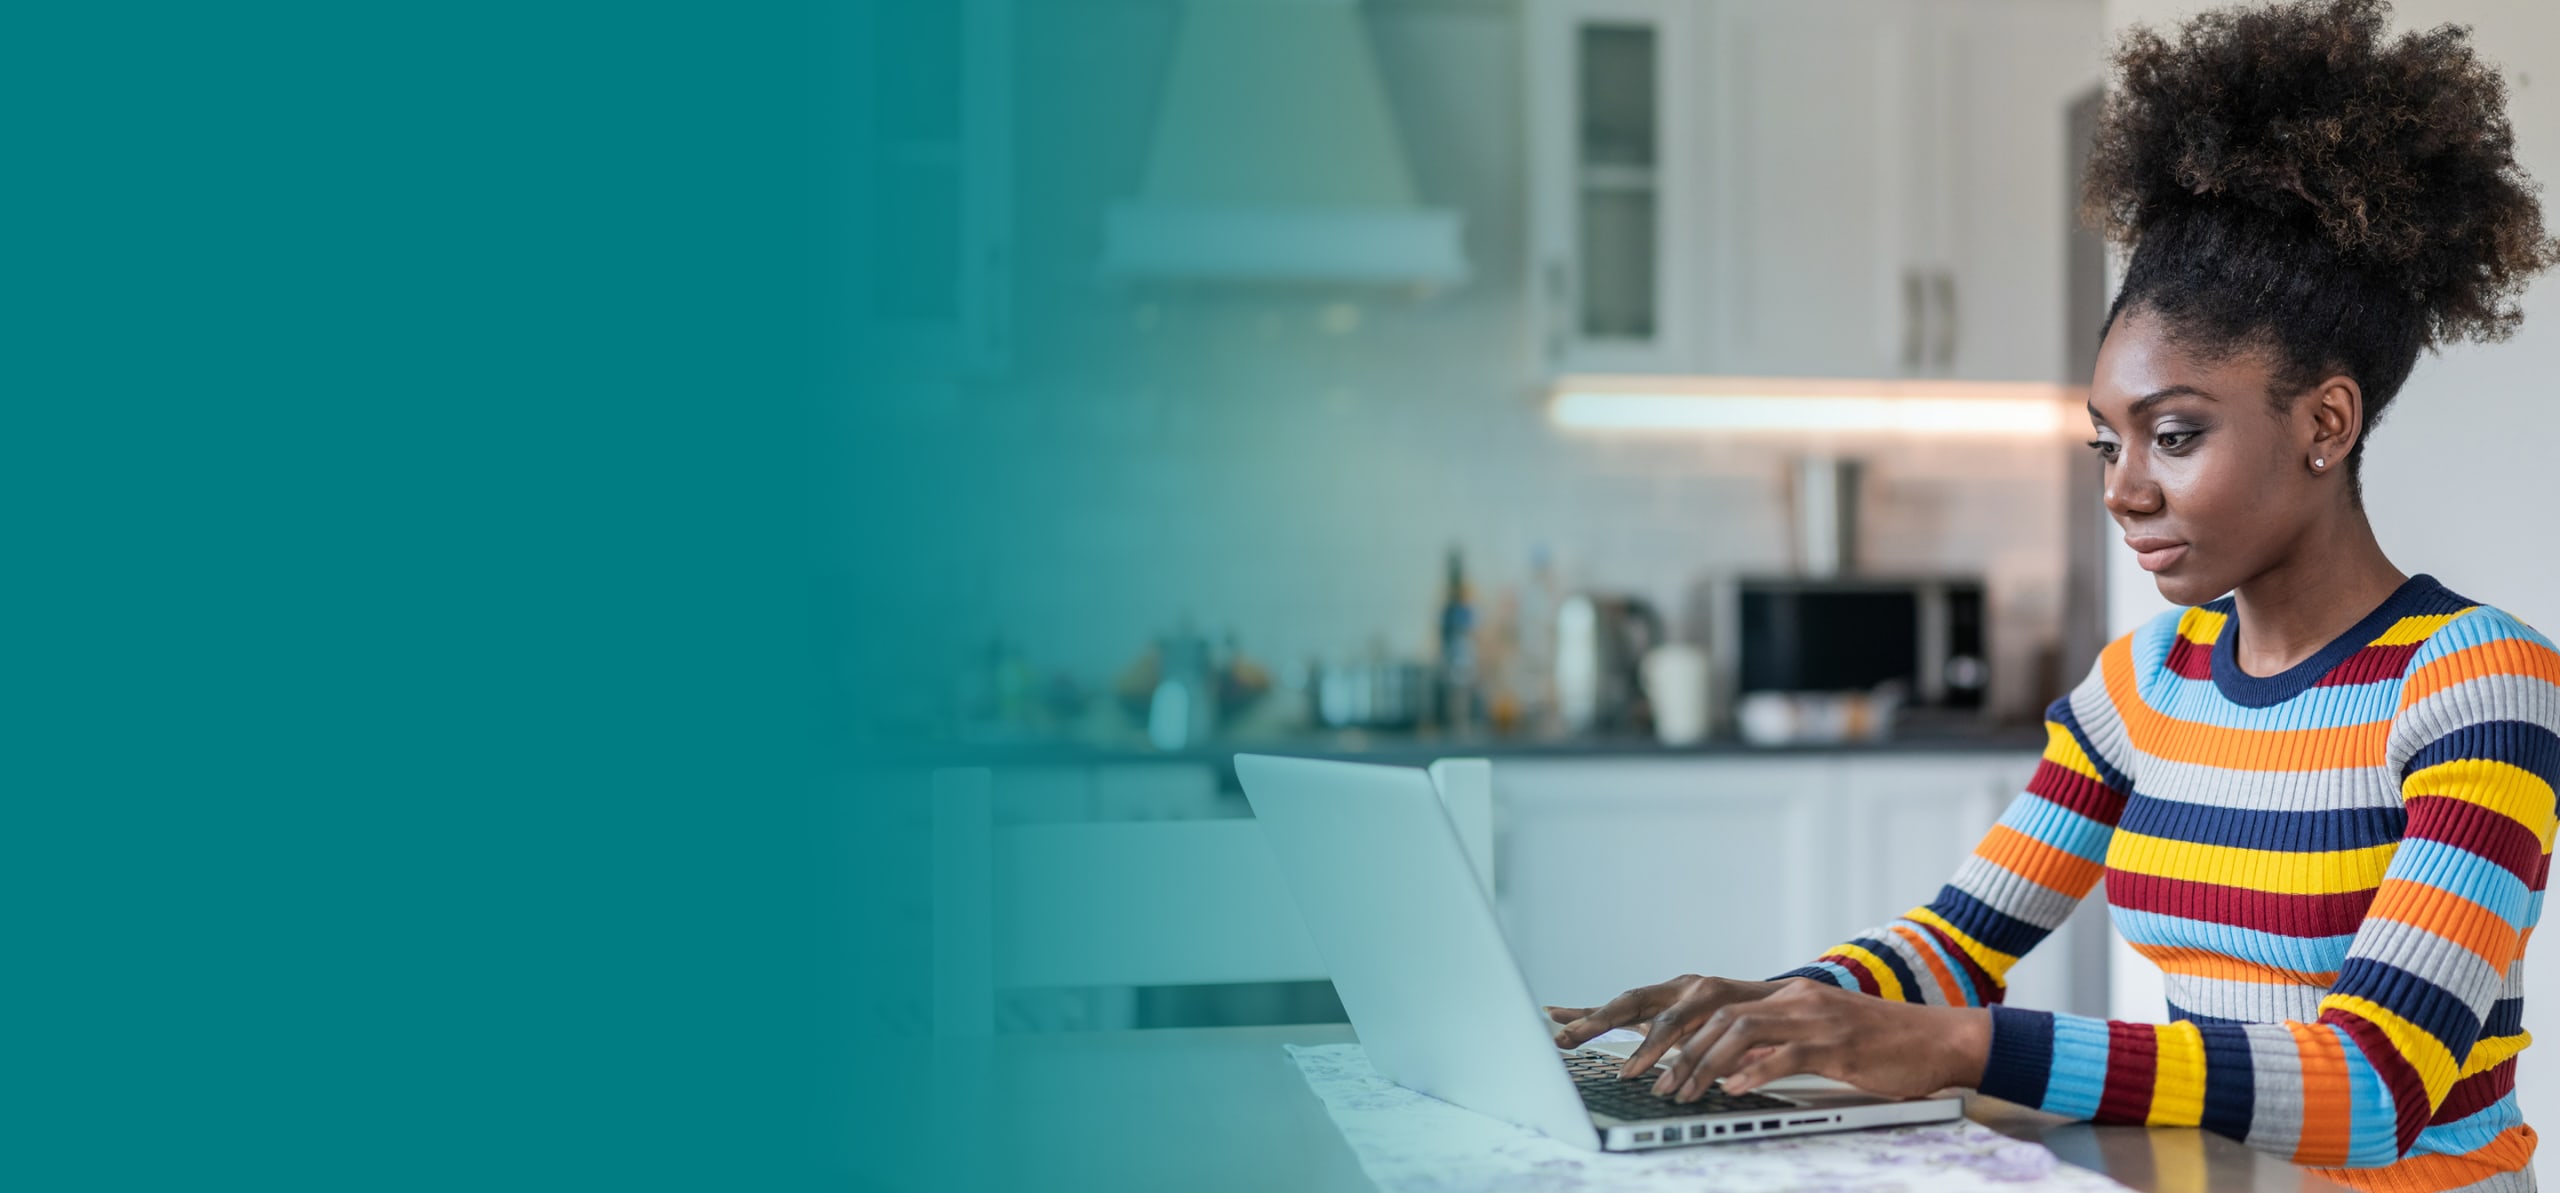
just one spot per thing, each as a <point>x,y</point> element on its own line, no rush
<point>1761,1066</point>
<point>1744,1035</point>
<point>1567,1014</point>
<point>1675,1076</point>
<point>1593,1021</point>
<point>1660,1033</point>
<point>1696,1037</point>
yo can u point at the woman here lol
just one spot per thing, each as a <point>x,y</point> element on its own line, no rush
<point>2323,803</point>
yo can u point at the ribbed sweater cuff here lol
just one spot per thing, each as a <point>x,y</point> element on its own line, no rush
<point>1817,973</point>
<point>2021,1056</point>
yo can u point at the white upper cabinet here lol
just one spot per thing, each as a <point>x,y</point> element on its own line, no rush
<point>1828,188</point>
<point>1617,164</point>
<point>936,140</point>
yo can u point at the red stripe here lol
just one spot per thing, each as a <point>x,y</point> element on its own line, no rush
<point>2339,914</point>
<point>2191,659</point>
<point>2477,1092</point>
<point>2369,665</point>
<point>2133,1055</point>
<point>1985,987</point>
<point>2408,1093</point>
<point>2068,788</point>
<point>2468,826</point>
<point>1857,969</point>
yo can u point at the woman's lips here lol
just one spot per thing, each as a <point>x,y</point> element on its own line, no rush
<point>2157,554</point>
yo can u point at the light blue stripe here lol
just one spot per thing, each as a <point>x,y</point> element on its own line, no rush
<point>1840,975</point>
<point>2151,645</point>
<point>2373,1132</point>
<point>2318,954</point>
<point>2079,1076</point>
<point>2471,1132</point>
<point>2058,826</point>
<point>2462,872</point>
<point>2197,701</point>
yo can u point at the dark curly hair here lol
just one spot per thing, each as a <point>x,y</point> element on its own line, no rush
<point>2294,181</point>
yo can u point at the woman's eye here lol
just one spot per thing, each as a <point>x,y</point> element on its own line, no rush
<point>2105,448</point>
<point>2173,440</point>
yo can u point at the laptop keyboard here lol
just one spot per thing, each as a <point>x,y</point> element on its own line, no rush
<point>1596,1076</point>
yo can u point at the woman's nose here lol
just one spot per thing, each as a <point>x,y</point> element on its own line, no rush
<point>2130,491</point>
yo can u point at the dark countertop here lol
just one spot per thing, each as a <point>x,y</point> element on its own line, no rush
<point>1415,750</point>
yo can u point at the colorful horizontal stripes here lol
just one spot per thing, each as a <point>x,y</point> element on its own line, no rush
<point>2337,869</point>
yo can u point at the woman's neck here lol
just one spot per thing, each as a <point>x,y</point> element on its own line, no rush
<point>2334,577</point>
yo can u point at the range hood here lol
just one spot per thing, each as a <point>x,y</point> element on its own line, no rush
<point>1275,160</point>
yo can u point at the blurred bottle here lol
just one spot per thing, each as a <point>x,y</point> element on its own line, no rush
<point>1457,652</point>
<point>1533,668</point>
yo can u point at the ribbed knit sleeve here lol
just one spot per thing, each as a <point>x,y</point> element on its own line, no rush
<point>2019,884</point>
<point>2417,1027</point>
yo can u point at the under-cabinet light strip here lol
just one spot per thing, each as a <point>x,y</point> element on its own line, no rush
<point>1657,405</point>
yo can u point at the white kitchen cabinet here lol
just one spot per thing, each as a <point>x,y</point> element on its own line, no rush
<point>2007,72</point>
<point>937,150</point>
<point>1837,188</point>
<point>1622,872</point>
<point>1617,169</point>
<point>1808,190</point>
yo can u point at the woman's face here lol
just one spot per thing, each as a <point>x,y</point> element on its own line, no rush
<point>2210,479</point>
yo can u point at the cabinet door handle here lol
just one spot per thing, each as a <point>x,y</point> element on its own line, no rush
<point>1946,319</point>
<point>1560,313</point>
<point>1914,300</point>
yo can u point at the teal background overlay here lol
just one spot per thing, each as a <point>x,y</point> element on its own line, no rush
<point>508,502</point>
<point>412,744</point>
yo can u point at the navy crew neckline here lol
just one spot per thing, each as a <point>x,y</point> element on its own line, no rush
<point>2260,691</point>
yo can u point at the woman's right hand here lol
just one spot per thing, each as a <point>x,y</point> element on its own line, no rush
<point>1666,1012</point>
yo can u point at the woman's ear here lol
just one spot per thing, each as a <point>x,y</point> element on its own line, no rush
<point>2336,409</point>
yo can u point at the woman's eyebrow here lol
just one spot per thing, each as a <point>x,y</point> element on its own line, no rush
<point>2157,396</point>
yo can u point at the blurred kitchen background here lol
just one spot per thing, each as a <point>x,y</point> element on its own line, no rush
<point>1671,400</point>
<point>1273,326</point>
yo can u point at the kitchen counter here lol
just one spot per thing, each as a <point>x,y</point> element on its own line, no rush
<point>1416,750</point>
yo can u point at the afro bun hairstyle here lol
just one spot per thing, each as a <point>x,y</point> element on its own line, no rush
<point>2291,179</point>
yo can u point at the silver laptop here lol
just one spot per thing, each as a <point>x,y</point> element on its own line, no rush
<point>1409,934</point>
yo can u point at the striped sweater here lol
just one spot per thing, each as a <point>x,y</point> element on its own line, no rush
<point>2336,868</point>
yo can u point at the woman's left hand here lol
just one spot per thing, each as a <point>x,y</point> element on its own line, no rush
<point>1898,1049</point>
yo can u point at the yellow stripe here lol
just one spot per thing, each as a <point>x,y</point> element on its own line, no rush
<point>2177,1081</point>
<point>2279,871</point>
<point>2425,1053</point>
<point>1989,958</point>
<point>2493,1051</point>
<point>1887,985</point>
<point>2063,750</point>
<point>2501,787</point>
<point>2414,629</point>
<point>2201,626</point>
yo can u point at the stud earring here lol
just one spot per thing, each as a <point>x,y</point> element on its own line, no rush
<point>2319,462</point>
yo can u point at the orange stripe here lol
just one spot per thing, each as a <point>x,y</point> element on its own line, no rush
<point>2205,963</point>
<point>2485,933</point>
<point>2511,1150</point>
<point>1946,981</point>
<point>2163,736</point>
<point>2038,862</point>
<point>2327,1106</point>
<point>2504,656</point>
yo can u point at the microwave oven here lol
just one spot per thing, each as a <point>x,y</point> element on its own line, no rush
<point>1853,635</point>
